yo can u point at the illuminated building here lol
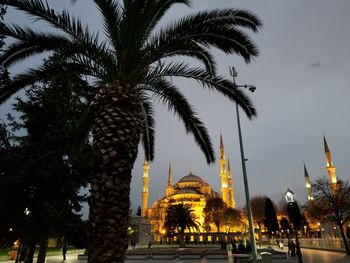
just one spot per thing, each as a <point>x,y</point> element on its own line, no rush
<point>190,190</point>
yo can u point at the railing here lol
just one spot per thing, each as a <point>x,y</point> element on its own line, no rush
<point>327,244</point>
<point>335,244</point>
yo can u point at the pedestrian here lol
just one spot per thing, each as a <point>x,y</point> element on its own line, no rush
<point>234,247</point>
<point>289,245</point>
<point>248,247</point>
<point>292,248</point>
<point>64,250</point>
<point>281,244</point>
<point>241,247</point>
<point>149,244</point>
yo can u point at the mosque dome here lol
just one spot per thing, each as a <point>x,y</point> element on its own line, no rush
<point>191,178</point>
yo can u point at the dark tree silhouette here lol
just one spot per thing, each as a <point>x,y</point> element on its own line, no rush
<point>258,208</point>
<point>178,218</point>
<point>270,222</point>
<point>333,204</point>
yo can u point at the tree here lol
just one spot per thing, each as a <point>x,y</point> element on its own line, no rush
<point>178,218</point>
<point>257,204</point>
<point>333,204</point>
<point>44,174</point>
<point>4,74</point>
<point>214,211</point>
<point>132,66</point>
<point>285,226</point>
<point>270,221</point>
<point>232,217</point>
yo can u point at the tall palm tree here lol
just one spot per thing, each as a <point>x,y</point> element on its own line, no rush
<point>133,65</point>
<point>179,217</point>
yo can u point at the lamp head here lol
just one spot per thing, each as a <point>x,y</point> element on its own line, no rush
<point>251,88</point>
<point>289,195</point>
<point>233,72</point>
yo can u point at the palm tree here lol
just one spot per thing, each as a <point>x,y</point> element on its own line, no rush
<point>179,217</point>
<point>130,67</point>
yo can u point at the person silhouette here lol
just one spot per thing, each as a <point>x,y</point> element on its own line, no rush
<point>64,250</point>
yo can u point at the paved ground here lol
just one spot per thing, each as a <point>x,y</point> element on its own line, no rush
<point>309,256</point>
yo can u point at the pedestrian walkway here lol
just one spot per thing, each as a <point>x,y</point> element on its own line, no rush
<point>309,256</point>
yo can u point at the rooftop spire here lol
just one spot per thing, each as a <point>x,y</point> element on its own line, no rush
<point>222,153</point>
<point>170,176</point>
<point>228,165</point>
<point>326,149</point>
<point>305,171</point>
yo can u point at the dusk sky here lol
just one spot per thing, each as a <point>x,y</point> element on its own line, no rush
<point>302,77</point>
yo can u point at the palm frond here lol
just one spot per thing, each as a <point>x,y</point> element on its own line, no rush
<point>31,43</point>
<point>112,16</point>
<point>188,49</point>
<point>210,31</point>
<point>228,17</point>
<point>159,8</point>
<point>42,11</point>
<point>217,83</point>
<point>170,95</point>
<point>147,129</point>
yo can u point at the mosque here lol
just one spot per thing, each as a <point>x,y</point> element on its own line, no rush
<point>331,170</point>
<point>190,190</point>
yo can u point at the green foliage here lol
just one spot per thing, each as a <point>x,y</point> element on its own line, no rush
<point>232,217</point>
<point>258,204</point>
<point>214,211</point>
<point>270,221</point>
<point>178,218</point>
<point>41,172</point>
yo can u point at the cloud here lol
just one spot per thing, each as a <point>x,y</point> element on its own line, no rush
<point>315,64</point>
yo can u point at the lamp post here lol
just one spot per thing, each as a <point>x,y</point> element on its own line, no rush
<point>251,88</point>
<point>294,216</point>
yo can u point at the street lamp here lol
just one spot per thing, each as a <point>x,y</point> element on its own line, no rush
<point>251,88</point>
<point>294,216</point>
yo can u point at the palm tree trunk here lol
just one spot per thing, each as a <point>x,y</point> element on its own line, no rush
<point>30,252</point>
<point>116,134</point>
<point>42,250</point>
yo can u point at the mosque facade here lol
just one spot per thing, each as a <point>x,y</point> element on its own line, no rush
<point>191,190</point>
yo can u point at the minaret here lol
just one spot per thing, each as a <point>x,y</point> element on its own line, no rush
<point>145,179</point>
<point>170,188</point>
<point>230,185</point>
<point>329,165</point>
<point>223,174</point>
<point>308,185</point>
